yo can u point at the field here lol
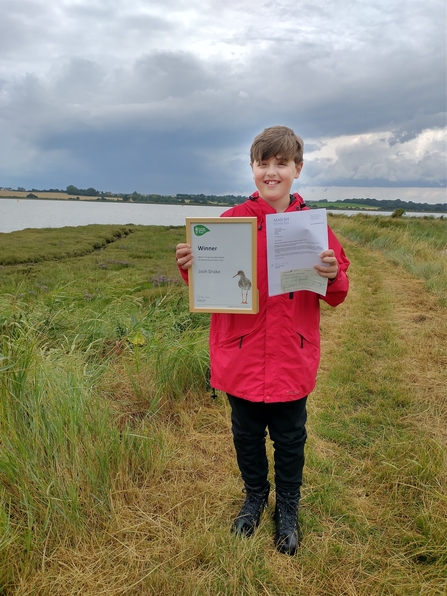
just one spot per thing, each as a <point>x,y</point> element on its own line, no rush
<point>117,470</point>
<point>18,194</point>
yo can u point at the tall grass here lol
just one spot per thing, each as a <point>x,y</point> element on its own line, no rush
<point>62,454</point>
<point>87,354</point>
<point>117,472</point>
<point>417,244</point>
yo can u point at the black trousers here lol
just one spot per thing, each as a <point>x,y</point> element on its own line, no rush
<point>286,426</point>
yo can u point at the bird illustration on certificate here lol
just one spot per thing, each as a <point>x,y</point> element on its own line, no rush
<point>245,284</point>
<point>223,277</point>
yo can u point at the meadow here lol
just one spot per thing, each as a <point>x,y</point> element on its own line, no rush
<point>117,470</point>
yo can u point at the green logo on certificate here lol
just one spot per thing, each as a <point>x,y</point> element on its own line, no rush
<point>200,230</point>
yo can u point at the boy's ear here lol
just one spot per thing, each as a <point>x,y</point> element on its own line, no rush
<point>299,167</point>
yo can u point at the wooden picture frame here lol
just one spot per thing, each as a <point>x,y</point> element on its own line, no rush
<point>223,277</point>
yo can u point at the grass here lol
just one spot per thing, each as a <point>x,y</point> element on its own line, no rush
<point>117,471</point>
<point>419,245</point>
<point>32,246</point>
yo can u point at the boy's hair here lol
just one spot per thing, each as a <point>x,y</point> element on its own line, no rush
<point>277,140</point>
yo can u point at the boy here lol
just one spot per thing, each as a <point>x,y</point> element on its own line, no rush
<point>267,363</point>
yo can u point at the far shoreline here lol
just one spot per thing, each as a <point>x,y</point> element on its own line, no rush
<point>332,206</point>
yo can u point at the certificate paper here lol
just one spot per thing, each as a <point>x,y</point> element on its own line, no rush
<point>223,276</point>
<point>294,244</point>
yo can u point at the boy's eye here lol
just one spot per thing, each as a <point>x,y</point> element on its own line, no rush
<point>280,162</point>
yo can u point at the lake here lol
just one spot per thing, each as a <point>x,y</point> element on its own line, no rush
<point>18,214</point>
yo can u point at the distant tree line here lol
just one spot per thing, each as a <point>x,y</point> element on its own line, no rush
<point>152,198</point>
<point>211,199</point>
<point>43,189</point>
<point>387,204</point>
<point>203,199</point>
<point>83,192</point>
<point>184,199</point>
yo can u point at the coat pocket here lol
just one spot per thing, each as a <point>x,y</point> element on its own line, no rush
<point>301,339</point>
<point>234,342</point>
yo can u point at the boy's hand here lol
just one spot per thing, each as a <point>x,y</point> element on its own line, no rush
<point>183,256</point>
<point>330,270</point>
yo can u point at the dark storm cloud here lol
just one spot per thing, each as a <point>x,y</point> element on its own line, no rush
<point>166,162</point>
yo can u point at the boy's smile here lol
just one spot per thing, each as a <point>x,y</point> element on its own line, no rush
<point>274,178</point>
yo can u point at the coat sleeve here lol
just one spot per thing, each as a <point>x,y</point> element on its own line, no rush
<point>184,274</point>
<point>338,288</point>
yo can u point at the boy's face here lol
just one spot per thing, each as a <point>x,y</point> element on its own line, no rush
<point>274,178</point>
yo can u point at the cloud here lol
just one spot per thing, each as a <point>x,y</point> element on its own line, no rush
<point>372,159</point>
<point>93,89</point>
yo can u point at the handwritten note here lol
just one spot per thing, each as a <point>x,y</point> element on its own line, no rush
<point>294,244</point>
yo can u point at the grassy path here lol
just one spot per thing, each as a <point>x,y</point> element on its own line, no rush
<point>374,510</point>
<point>378,462</point>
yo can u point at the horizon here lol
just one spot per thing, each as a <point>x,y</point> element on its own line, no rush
<point>118,195</point>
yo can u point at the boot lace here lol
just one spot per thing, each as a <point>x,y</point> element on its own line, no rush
<point>287,510</point>
<point>253,505</point>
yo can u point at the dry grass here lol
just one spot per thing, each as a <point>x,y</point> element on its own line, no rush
<point>384,370</point>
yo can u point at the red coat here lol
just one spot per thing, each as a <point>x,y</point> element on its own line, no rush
<point>272,356</point>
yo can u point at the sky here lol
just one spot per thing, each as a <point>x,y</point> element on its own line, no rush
<point>166,96</point>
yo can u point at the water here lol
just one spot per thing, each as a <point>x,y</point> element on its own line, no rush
<point>18,214</point>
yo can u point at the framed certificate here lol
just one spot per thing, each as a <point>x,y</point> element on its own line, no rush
<point>223,277</point>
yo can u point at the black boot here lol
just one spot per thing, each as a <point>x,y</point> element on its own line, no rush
<point>287,537</point>
<point>256,501</point>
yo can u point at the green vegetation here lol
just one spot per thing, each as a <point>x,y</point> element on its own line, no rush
<point>211,199</point>
<point>380,204</point>
<point>341,205</point>
<point>83,192</point>
<point>32,246</point>
<point>417,244</point>
<point>398,213</point>
<point>136,197</point>
<point>184,199</point>
<point>117,471</point>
